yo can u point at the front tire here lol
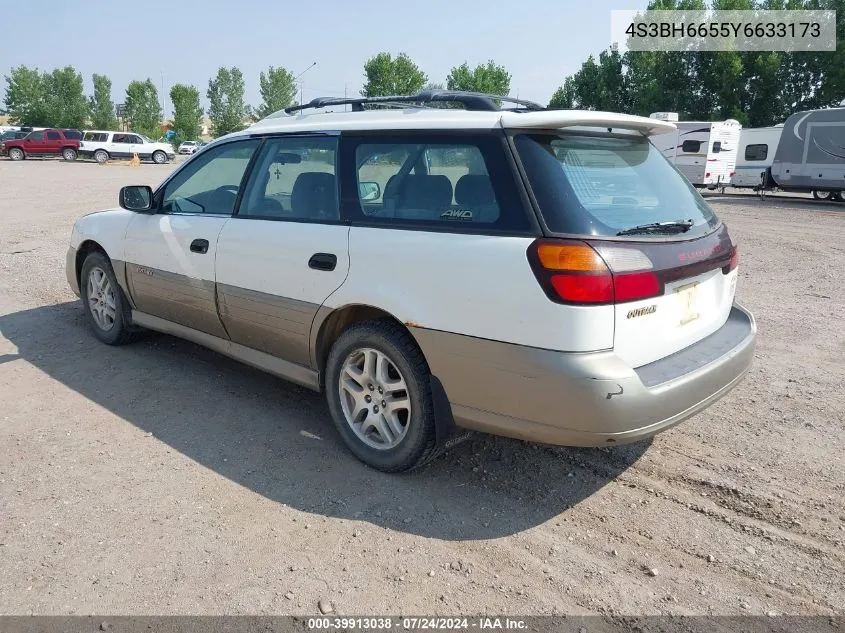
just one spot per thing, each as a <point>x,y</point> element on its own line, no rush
<point>16,154</point>
<point>101,156</point>
<point>105,304</point>
<point>379,394</point>
<point>69,154</point>
<point>159,157</point>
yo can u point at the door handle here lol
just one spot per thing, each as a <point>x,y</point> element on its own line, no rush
<point>199,246</point>
<point>322,261</point>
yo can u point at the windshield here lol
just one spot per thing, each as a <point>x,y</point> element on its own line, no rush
<point>604,185</point>
<point>145,139</point>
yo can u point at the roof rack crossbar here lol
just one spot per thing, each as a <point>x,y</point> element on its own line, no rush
<point>476,101</point>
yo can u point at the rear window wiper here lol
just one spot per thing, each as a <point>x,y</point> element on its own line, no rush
<point>675,226</point>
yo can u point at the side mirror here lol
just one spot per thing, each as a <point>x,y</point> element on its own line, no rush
<point>137,198</point>
<point>369,191</point>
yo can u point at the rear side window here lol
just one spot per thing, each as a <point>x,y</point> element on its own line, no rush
<point>53,136</point>
<point>601,185</point>
<point>756,152</point>
<point>691,147</point>
<point>294,179</point>
<point>120,138</point>
<point>448,182</point>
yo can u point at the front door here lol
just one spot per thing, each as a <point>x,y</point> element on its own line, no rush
<point>36,143</point>
<point>286,250</point>
<point>170,255</point>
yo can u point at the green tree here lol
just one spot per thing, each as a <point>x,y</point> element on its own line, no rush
<point>388,76</point>
<point>489,78</point>
<point>278,91</point>
<point>143,109</point>
<point>64,98</point>
<point>564,97</point>
<point>227,108</point>
<point>187,112</point>
<point>102,108</point>
<point>25,97</point>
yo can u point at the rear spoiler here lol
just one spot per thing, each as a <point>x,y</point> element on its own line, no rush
<point>555,119</point>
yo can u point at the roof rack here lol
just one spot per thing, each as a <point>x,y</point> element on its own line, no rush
<point>475,101</point>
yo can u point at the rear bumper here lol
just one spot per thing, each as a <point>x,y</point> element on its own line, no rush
<point>589,399</point>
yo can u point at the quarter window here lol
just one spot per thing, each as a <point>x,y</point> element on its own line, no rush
<point>211,182</point>
<point>294,179</point>
<point>449,182</point>
<point>756,152</point>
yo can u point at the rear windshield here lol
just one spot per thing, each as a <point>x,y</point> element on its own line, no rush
<point>601,185</point>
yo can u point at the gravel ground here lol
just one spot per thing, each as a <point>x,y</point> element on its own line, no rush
<point>161,478</point>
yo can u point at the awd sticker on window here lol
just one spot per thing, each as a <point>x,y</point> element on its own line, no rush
<point>456,214</point>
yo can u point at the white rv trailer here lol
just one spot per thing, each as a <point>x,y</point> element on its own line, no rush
<point>703,151</point>
<point>757,147</point>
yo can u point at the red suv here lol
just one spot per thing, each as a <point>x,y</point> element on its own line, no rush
<point>50,142</point>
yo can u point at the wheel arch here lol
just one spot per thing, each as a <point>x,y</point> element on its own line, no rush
<point>89,246</point>
<point>86,248</point>
<point>330,323</point>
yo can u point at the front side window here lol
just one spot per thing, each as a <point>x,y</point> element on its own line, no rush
<point>294,179</point>
<point>211,182</point>
<point>601,185</point>
<point>53,136</point>
<point>461,183</point>
<point>756,152</point>
<point>36,136</point>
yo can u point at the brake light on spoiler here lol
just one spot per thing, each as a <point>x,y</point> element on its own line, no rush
<point>577,272</point>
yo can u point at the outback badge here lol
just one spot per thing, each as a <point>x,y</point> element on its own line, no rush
<point>642,311</point>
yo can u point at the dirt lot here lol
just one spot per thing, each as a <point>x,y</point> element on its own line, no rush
<point>161,478</point>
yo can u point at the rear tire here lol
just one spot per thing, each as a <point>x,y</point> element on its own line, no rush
<point>376,370</point>
<point>16,154</point>
<point>101,156</point>
<point>106,307</point>
<point>159,157</point>
<point>69,154</point>
<point>822,195</point>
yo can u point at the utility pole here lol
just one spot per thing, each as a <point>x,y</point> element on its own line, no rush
<point>302,82</point>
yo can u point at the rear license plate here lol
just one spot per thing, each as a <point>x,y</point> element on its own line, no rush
<point>687,297</point>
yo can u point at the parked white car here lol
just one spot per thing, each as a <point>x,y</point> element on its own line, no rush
<point>103,146</point>
<point>188,147</point>
<point>544,275</point>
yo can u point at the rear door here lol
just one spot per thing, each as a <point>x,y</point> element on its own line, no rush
<point>286,250</point>
<point>53,142</point>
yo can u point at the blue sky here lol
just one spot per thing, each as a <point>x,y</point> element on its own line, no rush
<point>185,41</point>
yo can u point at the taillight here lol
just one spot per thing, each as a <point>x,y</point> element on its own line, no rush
<point>577,273</point>
<point>734,259</point>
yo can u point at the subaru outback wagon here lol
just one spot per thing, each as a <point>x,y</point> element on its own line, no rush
<point>500,267</point>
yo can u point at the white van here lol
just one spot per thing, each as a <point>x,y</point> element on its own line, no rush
<point>103,146</point>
